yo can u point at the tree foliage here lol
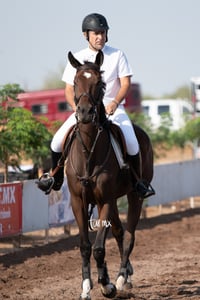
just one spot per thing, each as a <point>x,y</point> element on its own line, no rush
<point>10,91</point>
<point>157,136</point>
<point>163,138</point>
<point>21,135</point>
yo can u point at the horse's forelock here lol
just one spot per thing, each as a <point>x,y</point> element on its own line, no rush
<point>90,66</point>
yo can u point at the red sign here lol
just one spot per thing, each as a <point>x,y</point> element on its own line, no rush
<point>10,209</point>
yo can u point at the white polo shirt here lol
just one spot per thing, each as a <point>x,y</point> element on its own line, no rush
<point>115,66</point>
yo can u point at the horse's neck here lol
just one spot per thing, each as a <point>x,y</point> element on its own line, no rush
<point>88,133</point>
<point>102,115</point>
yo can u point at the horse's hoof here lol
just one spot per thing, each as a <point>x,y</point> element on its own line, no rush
<point>128,286</point>
<point>109,290</point>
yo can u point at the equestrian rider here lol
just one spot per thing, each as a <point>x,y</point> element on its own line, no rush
<point>117,76</point>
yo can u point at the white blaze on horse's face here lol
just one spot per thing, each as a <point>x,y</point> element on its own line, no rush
<point>87,75</point>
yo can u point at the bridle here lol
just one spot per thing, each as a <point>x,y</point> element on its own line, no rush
<point>92,102</point>
<point>88,153</point>
<point>94,99</point>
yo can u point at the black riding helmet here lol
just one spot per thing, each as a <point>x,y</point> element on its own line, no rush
<point>95,22</point>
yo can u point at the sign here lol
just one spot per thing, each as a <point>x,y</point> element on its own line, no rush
<point>60,210</point>
<point>10,209</point>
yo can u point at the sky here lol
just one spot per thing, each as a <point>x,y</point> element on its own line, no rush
<point>159,37</point>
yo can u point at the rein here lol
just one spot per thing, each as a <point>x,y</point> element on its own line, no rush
<point>87,178</point>
<point>88,154</point>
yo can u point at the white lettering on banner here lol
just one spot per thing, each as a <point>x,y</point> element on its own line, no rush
<point>7,195</point>
<point>5,214</point>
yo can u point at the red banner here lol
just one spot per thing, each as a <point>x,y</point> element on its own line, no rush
<point>10,209</point>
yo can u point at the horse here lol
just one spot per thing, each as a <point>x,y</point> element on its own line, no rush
<point>96,178</point>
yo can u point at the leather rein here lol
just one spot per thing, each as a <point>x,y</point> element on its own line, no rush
<point>85,180</point>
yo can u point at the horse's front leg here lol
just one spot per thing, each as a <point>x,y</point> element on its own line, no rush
<point>126,270</point>
<point>85,249</point>
<point>108,289</point>
<point>87,285</point>
<point>124,242</point>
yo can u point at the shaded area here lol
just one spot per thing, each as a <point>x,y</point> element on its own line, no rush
<point>72,242</point>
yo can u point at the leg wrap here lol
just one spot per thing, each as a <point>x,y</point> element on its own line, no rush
<point>86,272</point>
<point>125,271</point>
<point>103,277</point>
<point>99,254</point>
<point>86,254</point>
<point>86,251</point>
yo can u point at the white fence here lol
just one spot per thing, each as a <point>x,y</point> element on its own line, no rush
<point>176,181</point>
<point>172,182</point>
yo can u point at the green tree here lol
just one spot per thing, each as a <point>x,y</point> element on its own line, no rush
<point>21,135</point>
<point>161,138</point>
<point>10,92</point>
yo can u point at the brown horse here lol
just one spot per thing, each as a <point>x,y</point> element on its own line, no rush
<point>95,178</point>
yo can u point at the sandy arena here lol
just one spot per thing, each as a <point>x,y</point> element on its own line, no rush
<point>166,261</point>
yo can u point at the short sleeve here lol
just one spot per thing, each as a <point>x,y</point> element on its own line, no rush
<point>69,74</point>
<point>124,68</point>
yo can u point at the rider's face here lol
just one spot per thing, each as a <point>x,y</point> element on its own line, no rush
<point>97,39</point>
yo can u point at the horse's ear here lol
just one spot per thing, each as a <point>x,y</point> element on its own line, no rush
<point>99,58</point>
<point>74,62</point>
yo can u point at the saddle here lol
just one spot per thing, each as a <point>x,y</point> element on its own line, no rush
<point>67,141</point>
<point>116,137</point>
<point>119,145</point>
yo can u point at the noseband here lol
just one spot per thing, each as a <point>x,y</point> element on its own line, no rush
<point>89,96</point>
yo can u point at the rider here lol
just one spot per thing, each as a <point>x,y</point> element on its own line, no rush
<point>117,76</point>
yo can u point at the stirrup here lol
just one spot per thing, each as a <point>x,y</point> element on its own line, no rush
<point>150,191</point>
<point>45,183</point>
<point>144,189</point>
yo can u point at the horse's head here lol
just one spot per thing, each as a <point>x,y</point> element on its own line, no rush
<point>88,88</point>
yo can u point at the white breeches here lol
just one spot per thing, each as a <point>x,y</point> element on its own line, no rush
<point>119,118</point>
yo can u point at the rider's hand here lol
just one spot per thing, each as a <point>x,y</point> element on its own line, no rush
<point>111,107</point>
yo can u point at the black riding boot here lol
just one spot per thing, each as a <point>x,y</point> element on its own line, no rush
<point>46,182</point>
<point>141,186</point>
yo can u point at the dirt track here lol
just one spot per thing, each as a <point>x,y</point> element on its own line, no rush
<point>166,261</point>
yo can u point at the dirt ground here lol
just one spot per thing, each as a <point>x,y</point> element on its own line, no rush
<point>166,261</point>
<point>166,258</point>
